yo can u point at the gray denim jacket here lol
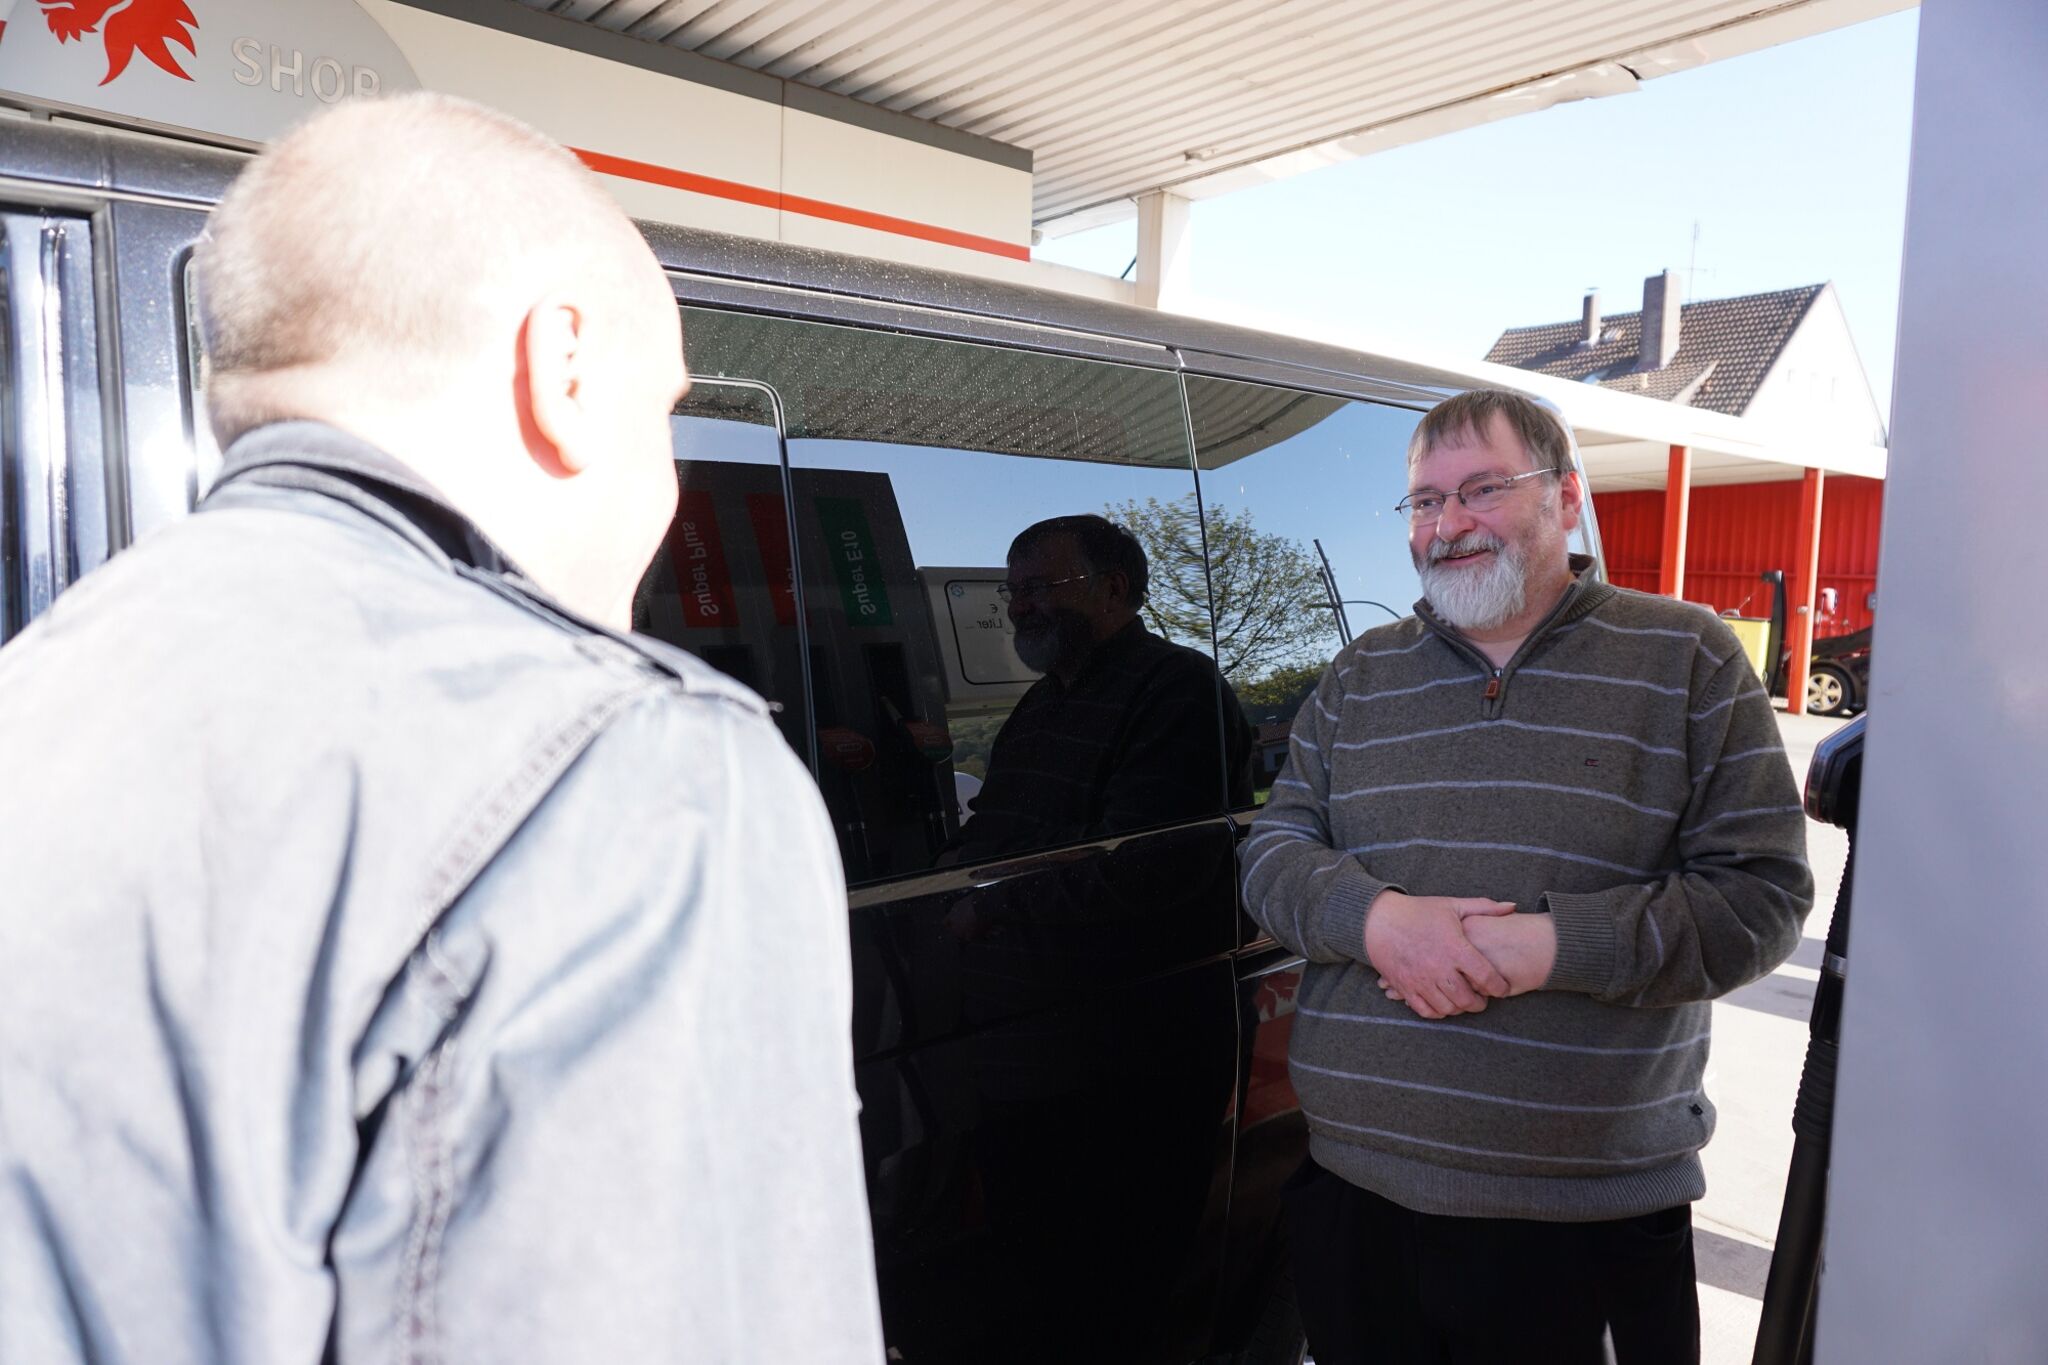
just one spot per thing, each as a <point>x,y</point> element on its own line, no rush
<point>395,967</point>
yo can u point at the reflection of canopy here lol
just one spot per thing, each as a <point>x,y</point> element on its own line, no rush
<point>841,383</point>
<point>1233,420</point>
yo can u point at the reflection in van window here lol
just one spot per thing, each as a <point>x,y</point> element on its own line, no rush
<point>1293,483</point>
<point>914,465</point>
<point>1108,740</point>
<point>723,583</point>
<point>205,450</point>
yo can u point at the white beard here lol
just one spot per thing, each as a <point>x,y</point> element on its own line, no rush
<point>1475,599</point>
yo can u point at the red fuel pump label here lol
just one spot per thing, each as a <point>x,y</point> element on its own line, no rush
<point>697,551</point>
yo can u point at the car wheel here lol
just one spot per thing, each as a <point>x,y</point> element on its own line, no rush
<point>1828,691</point>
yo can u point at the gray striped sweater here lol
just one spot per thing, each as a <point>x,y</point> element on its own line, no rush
<point>1623,773</point>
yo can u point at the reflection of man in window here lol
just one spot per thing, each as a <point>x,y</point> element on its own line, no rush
<point>1125,730</point>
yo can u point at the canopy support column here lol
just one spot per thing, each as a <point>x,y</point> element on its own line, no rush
<point>1803,583</point>
<point>1677,504</point>
<point>1162,275</point>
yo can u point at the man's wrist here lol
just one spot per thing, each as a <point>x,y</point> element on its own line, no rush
<point>1346,911</point>
<point>1586,943</point>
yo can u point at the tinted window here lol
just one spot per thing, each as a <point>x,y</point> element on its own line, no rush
<point>914,464</point>
<point>54,520</point>
<point>722,585</point>
<point>1291,481</point>
<point>205,450</point>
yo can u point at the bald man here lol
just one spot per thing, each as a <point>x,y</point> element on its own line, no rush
<point>399,961</point>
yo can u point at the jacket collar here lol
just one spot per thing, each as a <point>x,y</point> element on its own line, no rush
<point>313,457</point>
<point>316,457</point>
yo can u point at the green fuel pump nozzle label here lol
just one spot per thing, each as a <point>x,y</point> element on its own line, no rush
<point>850,544</point>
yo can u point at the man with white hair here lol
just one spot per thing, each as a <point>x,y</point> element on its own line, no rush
<point>1523,838</point>
<point>400,961</point>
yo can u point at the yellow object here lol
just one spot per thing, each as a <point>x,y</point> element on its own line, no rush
<point>1755,634</point>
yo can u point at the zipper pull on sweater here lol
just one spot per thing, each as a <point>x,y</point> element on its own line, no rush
<point>1492,692</point>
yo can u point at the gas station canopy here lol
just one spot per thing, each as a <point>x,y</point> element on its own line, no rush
<point>949,133</point>
<point>1115,100</point>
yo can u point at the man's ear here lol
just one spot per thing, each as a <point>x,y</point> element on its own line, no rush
<point>1571,498</point>
<point>552,383</point>
<point>1119,584</point>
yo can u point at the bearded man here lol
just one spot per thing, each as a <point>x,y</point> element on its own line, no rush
<point>1122,731</point>
<point>1523,837</point>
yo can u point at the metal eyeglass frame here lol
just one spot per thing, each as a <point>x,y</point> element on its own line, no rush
<point>1010,592</point>
<point>1407,506</point>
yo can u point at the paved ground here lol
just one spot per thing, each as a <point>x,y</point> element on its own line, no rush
<point>1759,1045</point>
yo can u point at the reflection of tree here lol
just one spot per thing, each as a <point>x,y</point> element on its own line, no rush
<point>1266,587</point>
<point>973,737</point>
<point>1282,690</point>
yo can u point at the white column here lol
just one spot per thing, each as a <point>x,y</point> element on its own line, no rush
<point>1937,1203</point>
<point>1162,275</point>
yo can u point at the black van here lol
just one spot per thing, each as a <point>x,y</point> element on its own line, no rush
<point>1072,1062</point>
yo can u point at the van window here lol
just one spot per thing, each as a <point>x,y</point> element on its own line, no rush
<point>915,463</point>
<point>1292,482</point>
<point>722,584</point>
<point>54,518</point>
<point>206,456</point>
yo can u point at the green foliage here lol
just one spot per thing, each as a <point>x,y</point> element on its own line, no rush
<point>1283,689</point>
<point>973,737</point>
<point>1268,594</point>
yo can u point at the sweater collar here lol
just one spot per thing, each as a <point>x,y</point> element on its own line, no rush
<point>1585,594</point>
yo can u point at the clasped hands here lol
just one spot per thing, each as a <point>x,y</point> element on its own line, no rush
<point>1446,955</point>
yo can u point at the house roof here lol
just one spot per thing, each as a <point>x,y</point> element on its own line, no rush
<point>1725,348</point>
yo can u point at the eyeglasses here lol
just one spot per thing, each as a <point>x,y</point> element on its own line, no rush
<point>1477,494</point>
<point>1034,587</point>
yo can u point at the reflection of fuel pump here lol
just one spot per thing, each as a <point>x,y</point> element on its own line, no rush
<point>913,748</point>
<point>844,753</point>
<point>876,671</point>
<point>933,746</point>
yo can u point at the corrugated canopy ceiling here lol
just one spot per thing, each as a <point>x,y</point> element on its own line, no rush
<point>1115,98</point>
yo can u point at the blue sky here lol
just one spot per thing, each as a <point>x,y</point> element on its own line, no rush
<point>1792,161</point>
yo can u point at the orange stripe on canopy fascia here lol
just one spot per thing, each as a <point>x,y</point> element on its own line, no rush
<point>792,203</point>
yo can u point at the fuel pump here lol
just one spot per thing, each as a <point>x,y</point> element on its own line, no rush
<point>1785,1335</point>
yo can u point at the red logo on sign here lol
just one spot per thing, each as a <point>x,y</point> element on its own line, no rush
<point>697,552</point>
<point>132,26</point>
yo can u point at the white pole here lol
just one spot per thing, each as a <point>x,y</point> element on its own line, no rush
<point>1938,1203</point>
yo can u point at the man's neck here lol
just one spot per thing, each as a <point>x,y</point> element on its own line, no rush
<point>1068,673</point>
<point>1500,643</point>
<point>485,474</point>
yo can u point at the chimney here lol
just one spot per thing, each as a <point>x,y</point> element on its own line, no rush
<point>1591,335</point>
<point>1662,300</point>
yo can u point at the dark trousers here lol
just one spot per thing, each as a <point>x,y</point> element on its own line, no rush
<point>1382,1285</point>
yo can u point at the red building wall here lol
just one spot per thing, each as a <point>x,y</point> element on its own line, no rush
<point>1736,531</point>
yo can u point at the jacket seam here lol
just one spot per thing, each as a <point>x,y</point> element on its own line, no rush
<point>418,1334</point>
<point>472,844</point>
